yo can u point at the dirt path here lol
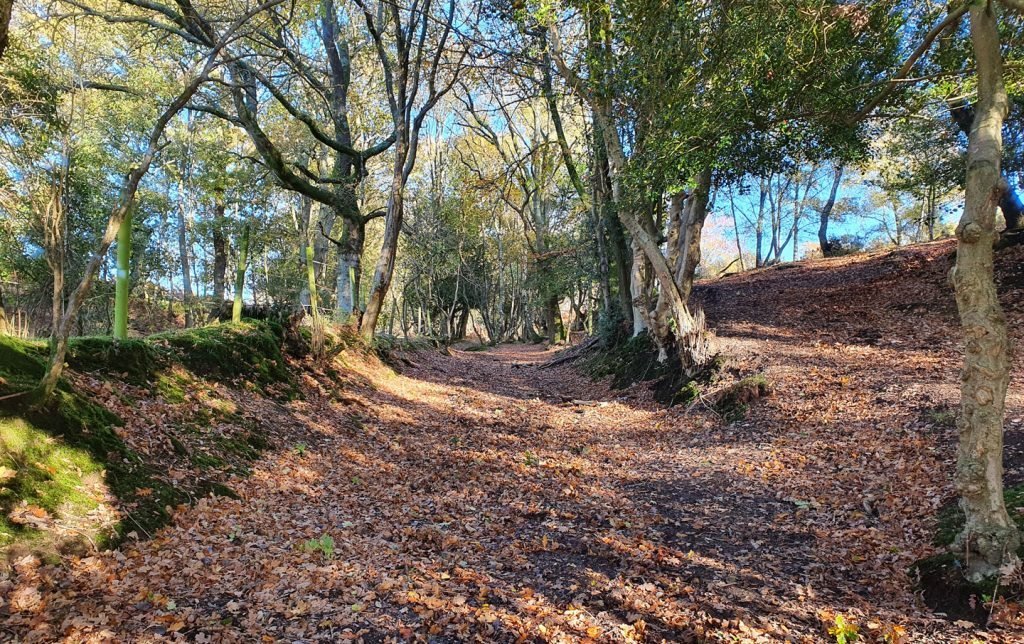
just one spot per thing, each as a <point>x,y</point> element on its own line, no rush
<point>478,497</point>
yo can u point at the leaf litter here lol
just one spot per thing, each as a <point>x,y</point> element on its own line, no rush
<point>478,497</point>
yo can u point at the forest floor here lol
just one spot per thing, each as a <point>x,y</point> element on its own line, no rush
<point>482,497</point>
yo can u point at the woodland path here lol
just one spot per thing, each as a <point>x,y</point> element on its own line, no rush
<point>480,497</point>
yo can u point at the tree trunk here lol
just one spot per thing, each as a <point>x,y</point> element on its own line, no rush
<point>1009,201</point>
<point>826,214</point>
<point>552,319</point>
<point>759,224</point>
<point>4,326</point>
<point>637,285</point>
<point>326,218</point>
<point>736,232</point>
<point>5,22</point>
<point>317,334</point>
<point>603,266</point>
<point>990,539</point>
<point>798,207</point>
<point>220,251</point>
<point>183,253</point>
<point>661,318</point>
<point>389,248</point>
<point>394,314</point>
<point>122,279</point>
<point>53,222</point>
<point>693,227</point>
<point>692,341</point>
<point>314,301</point>
<point>620,254</point>
<point>350,252</point>
<point>243,259</point>
<point>59,338</point>
<point>302,226</point>
<point>931,213</point>
<point>460,329</point>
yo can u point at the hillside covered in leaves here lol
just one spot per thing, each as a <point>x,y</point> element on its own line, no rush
<point>496,496</point>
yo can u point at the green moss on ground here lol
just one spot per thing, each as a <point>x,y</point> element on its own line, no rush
<point>41,471</point>
<point>250,350</point>
<point>133,361</point>
<point>21,363</point>
<point>172,384</point>
<point>63,458</point>
<point>733,403</point>
<point>951,518</point>
<point>77,432</point>
<point>687,394</point>
<point>634,360</point>
<point>82,424</point>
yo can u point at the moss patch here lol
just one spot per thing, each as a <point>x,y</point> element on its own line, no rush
<point>60,461</point>
<point>687,394</point>
<point>734,402</point>
<point>250,350</point>
<point>171,385</point>
<point>629,362</point>
<point>84,425</point>
<point>951,518</point>
<point>42,479</point>
<point>72,443</point>
<point>133,361</point>
<point>21,363</point>
<point>635,360</point>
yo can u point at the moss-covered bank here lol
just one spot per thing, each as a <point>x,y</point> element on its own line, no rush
<point>69,478</point>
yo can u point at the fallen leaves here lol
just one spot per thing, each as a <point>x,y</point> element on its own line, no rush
<point>478,497</point>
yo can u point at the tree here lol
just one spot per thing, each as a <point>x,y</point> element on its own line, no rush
<point>825,213</point>
<point>5,22</point>
<point>415,60</point>
<point>121,208</point>
<point>990,538</point>
<point>531,162</point>
<point>685,128</point>
<point>122,279</point>
<point>243,265</point>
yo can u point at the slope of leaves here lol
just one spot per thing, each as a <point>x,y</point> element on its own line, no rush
<point>478,497</point>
